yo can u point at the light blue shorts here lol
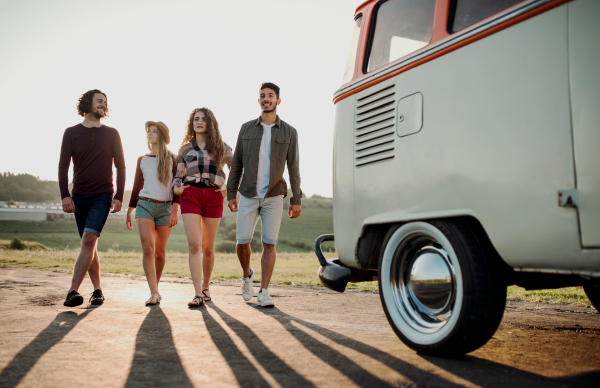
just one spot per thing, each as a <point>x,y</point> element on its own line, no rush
<point>160,213</point>
<point>268,209</point>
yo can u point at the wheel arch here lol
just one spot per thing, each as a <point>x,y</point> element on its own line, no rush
<point>377,230</point>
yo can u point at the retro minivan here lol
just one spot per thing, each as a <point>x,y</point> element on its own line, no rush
<point>466,159</point>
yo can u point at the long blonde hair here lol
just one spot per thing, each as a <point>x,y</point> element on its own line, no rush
<point>214,141</point>
<point>164,157</point>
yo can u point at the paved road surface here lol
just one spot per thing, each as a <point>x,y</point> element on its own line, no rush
<point>312,337</point>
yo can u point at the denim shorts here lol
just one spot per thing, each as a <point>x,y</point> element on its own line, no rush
<point>91,211</point>
<point>268,209</point>
<point>160,213</point>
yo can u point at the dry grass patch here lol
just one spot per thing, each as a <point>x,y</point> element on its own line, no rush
<point>290,269</point>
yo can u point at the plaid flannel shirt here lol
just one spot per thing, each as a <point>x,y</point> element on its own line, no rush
<point>195,165</point>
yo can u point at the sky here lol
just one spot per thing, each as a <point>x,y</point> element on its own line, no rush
<point>159,60</point>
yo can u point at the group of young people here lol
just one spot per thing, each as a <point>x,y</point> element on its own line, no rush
<point>193,182</point>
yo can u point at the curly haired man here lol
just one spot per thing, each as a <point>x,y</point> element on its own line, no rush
<point>93,147</point>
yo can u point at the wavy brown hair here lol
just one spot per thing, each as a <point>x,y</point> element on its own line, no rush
<point>214,141</point>
<point>164,157</point>
<point>84,104</point>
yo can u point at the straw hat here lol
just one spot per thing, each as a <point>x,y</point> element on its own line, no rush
<point>162,127</point>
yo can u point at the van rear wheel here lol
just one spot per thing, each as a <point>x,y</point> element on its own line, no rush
<point>440,293</point>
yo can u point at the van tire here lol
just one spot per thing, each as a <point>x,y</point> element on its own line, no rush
<point>593,294</point>
<point>453,309</point>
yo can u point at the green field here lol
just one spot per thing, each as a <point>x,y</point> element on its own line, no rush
<point>297,235</point>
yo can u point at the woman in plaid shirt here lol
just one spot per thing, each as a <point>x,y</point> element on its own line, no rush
<point>200,182</point>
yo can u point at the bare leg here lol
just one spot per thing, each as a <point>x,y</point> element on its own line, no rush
<point>209,232</point>
<point>161,236</point>
<point>84,260</point>
<point>94,270</point>
<point>146,229</point>
<point>243,253</point>
<point>267,263</point>
<point>193,230</point>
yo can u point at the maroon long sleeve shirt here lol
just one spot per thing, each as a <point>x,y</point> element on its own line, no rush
<point>93,151</point>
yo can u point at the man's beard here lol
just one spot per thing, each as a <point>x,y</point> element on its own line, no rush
<point>269,111</point>
<point>98,114</point>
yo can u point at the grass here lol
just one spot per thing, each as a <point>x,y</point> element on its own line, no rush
<point>566,295</point>
<point>31,246</point>
<point>316,219</point>
<point>290,269</point>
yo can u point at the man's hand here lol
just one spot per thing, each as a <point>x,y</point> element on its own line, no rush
<point>294,211</point>
<point>68,205</point>
<point>116,205</point>
<point>232,205</point>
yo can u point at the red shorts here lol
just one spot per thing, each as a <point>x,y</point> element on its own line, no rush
<point>206,202</point>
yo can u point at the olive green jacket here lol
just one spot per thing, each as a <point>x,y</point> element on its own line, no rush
<point>284,149</point>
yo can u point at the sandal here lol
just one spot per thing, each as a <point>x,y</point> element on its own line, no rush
<point>206,295</point>
<point>154,299</point>
<point>196,302</point>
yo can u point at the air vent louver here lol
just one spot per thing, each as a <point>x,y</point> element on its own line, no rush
<point>375,127</point>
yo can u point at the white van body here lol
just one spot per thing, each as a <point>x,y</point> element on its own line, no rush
<point>504,130</point>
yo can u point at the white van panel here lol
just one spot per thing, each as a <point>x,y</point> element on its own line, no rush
<point>343,181</point>
<point>496,140</point>
<point>584,61</point>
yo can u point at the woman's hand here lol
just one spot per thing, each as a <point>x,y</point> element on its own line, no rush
<point>224,193</point>
<point>179,189</point>
<point>173,220</point>
<point>128,219</point>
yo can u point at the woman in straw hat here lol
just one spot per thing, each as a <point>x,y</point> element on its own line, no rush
<point>154,203</point>
<point>200,181</point>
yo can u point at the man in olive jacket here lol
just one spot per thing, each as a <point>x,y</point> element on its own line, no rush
<point>264,146</point>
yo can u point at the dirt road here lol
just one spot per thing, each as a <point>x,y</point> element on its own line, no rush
<point>313,337</point>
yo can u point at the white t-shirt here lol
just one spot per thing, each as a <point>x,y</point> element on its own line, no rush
<point>264,162</point>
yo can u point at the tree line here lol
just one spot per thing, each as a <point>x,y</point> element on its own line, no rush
<point>27,188</point>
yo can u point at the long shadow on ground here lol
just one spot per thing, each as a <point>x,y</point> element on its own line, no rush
<point>22,363</point>
<point>352,370</point>
<point>245,373</point>
<point>276,367</point>
<point>482,372</point>
<point>156,362</point>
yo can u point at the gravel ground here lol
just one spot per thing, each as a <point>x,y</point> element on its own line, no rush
<point>313,337</point>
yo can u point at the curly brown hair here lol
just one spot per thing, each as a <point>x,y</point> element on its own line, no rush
<point>214,142</point>
<point>84,104</point>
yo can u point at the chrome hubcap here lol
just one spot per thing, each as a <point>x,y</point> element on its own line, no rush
<point>423,282</point>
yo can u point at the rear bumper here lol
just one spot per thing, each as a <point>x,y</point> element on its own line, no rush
<point>333,274</point>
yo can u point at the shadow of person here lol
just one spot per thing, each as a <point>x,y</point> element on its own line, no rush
<point>156,362</point>
<point>245,373</point>
<point>22,363</point>
<point>339,361</point>
<point>484,372</point>
<point>276,367</point>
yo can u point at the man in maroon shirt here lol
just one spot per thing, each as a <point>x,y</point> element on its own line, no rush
<point>93,147</point>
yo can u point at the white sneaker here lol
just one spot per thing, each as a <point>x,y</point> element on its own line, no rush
<point>264,300</point>
<point>247,289</point>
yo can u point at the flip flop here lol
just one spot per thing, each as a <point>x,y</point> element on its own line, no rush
<point>206,296</point>
<point>196,302</point>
